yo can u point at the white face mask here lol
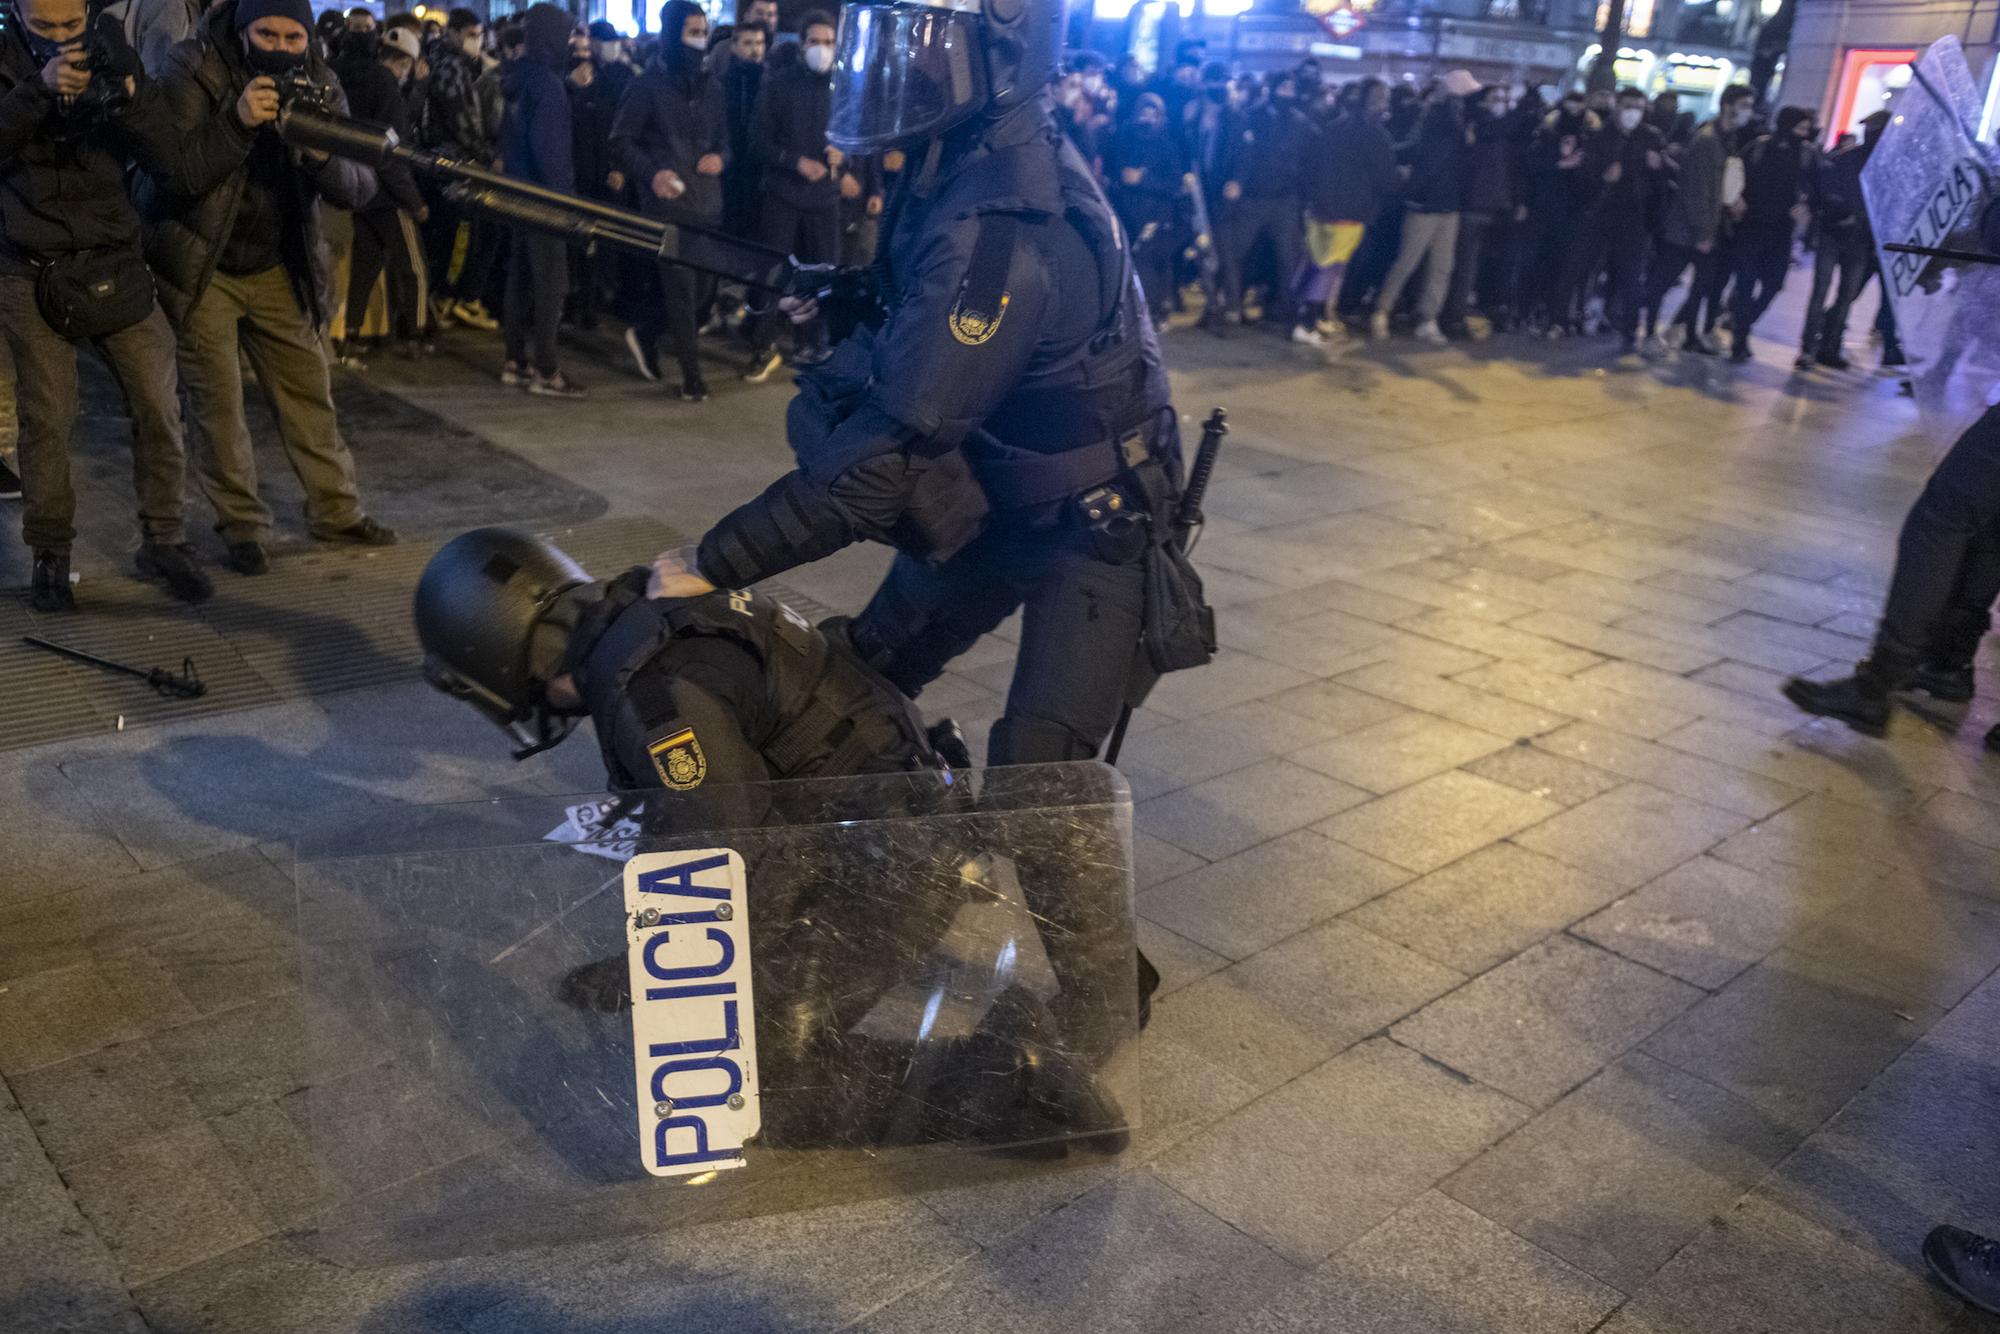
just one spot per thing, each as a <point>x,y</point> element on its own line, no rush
<point>1739,117</point>
<point>695,41</point>
<point>1629,118</point>
<point>819,59</point>
<point>471,46</point>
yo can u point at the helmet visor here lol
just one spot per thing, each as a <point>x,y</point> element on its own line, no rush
<point>903,72</point>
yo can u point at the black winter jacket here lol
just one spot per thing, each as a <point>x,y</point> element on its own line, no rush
<point>673,117</point>
<point>1489,187</point>
<point>374,95</point>
<point>1435,156</point>
<point>1631,197</point>
<point>191,208</point>
<point>790,123</point>
<point>62,193</point>
<point>1277,144</point>
<point>1354,171</point>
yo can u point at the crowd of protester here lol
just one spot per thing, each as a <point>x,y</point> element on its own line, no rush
<point>1326,211</point>
<point>1336,210</point>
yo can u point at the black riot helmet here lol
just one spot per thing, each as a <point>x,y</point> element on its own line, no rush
<point>907,70</point>
<point>495,610</point>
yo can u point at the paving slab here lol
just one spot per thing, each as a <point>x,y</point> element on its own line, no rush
<point>1132,1256</point>
<point>1545,774</point>
<point>1485,908</point>
<point>1341,982</point>
<point>1705,921</point>
<point>1633,834</point>
<point>1240,810</point>
<point>1625,1170</point>
<point>1919,938</point>
<point>1794,1036</point>
<point>167,1200</point>
<point>58,1275</point>
<point>1436,1267</point>
<point>54,1015</point>
<point>1179,959</point>
<point>1761,1268</point>
<point>1398,751</point>
<point>1253,899</point>
<point>69,842</point>
<point>1339,1150</point>
<point>1547,1019</point>
<point>1435,822</point>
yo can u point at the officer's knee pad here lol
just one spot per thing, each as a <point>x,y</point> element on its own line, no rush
<point>1034,741</point>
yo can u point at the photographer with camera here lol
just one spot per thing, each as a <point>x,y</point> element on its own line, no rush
<point>74,111</point>
<point>235,243</point>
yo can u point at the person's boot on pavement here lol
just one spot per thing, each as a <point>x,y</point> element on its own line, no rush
<point>1861,700</point>
<point>1966,1263</point>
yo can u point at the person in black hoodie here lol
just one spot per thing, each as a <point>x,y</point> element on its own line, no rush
<point>1268,186</point>
<point>1618,224</point>
<point>1487,199</point>
<point>1566,165</point>
<point>741,83</point>
<point>1144,168</point>
<point>1780,181</point>
<point>671,137</point>
<point>1844,241</point>
<point>537,145</point>
<point>372,69</point>
<point>1435,156</point>
<point>801,197</point>
<point>1352,176</point>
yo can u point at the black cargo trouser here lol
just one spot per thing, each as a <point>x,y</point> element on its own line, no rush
<point>1760,265</point>
<point>1947,559</point>
<point>45,387</point>
<point>1079,641</point>
<point>537,281</point>
<point>1246,221</point>
<point>379,248</point>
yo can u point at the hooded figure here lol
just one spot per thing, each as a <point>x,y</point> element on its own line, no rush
<point>535,133</point>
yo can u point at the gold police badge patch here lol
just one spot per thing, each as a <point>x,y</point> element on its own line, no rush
<point>971,327</point>
<point>679,761</point>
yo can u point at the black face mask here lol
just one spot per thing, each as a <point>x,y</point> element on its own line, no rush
<point>43,50</point>
<point>274,63</point>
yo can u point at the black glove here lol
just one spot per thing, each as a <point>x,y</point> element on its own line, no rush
<point>111,55</point>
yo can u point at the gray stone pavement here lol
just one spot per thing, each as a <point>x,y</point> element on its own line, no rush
<point>1530,964</point>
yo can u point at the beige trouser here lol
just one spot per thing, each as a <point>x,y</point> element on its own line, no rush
<point>260,311</point>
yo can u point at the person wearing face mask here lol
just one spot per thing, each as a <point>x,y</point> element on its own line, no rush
<point>241,269</point>
<point>723,56</point>
<point>71,125</point>
<point>671,138</point>
<point>1618,238</point>
<point>1844,241</point>
<point>1486,199</point>
<point>1566,165</point>
<point>460,248</point>
<point>1780,186</point>
<point>537,145</point>
<point>1269,180</point>
<point>1353,173</point>
<point>1432,190</point>
<point>1691,228</point>
<point>1144,168</point>
<point>802,172</point>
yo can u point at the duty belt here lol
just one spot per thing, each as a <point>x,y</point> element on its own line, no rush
<point>1019,478</point>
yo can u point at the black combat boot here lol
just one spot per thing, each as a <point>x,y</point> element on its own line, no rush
<point>1966,1263</point>
<point>51,585</point>
<point>1944,682</point>
<point>1861,700</point>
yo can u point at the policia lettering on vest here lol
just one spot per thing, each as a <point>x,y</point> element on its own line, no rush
<point>713,699</point>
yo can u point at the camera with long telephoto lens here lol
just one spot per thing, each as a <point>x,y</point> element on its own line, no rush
<point>297,89</point>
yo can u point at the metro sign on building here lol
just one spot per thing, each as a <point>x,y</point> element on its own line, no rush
<point>1340,18</point>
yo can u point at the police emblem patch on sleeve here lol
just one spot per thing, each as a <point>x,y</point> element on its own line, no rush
<point>973,327</point>
<point>678,760</point>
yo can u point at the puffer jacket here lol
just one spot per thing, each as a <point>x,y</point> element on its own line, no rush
<point>189,213</point>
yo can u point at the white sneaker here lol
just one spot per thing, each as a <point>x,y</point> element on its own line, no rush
<point>1652,349</point>
<point>1428,332</point>
<point>1378,324</point>
<point>1676,337</point>
<point>1308,336</point>
<point>1711,344</point>
<point>644,360</point>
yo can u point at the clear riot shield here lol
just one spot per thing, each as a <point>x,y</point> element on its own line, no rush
<point>1925,185</point>
<point>545,1019</point>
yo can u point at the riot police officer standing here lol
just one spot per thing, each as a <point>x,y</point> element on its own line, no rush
<point>1004,422</point>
